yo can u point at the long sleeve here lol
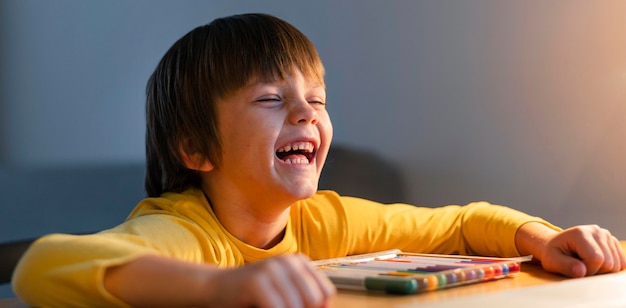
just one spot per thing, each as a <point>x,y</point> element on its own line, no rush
<point>67,270</point>
<point>333,226</point>
<point>61,270</point>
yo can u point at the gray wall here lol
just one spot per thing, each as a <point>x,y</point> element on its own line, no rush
<point>521,103</point>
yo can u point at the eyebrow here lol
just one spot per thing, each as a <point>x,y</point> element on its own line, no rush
<point>259,82</point>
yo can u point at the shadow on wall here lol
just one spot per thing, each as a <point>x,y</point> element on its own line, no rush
<point>360,173</point>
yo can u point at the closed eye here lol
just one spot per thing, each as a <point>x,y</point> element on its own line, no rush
<point>271,101</point>
<point>318,103</point>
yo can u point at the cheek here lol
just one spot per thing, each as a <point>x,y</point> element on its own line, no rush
<point>326,128</point>
<point>246,127</point>
<point>258,139</point>
<point>326,134</point>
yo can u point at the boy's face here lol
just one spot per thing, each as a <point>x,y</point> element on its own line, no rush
<point>275,138</point>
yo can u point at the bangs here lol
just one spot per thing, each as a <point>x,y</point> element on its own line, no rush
<point>258,46</point>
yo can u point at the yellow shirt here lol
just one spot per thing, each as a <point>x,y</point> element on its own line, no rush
<point>67,270</point>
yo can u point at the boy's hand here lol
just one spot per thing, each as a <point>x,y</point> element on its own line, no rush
<point>284,281</point>
<point>159,281</point>
<point>576,252</point>
<point>583,251</point>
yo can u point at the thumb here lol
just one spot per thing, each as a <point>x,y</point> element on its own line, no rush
<point>570,266</point>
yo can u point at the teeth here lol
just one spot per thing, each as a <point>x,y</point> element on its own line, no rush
<point>300,161</point>
<point>302,146</point>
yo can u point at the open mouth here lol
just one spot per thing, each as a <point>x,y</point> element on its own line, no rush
<point>301,153</point>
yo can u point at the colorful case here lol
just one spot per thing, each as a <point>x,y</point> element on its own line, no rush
<point>394,271</point>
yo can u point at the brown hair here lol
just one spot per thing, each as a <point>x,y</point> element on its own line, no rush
<point>205,65</point>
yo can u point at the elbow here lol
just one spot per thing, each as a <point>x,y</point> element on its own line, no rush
<point>31,277</point>
<point>26,276</point>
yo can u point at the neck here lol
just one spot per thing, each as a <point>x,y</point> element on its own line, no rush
<point>256,224</point>
<point>258,233</point>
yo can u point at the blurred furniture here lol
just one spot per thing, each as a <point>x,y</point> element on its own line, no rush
<point>10,254</point>
<point>358,172</point>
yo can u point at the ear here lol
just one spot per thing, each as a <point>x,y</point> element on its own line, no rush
<point>195,161</point>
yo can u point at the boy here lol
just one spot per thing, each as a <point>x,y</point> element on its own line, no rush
<point>237,134</point>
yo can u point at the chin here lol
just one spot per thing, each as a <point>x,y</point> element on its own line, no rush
<point>303,191</point>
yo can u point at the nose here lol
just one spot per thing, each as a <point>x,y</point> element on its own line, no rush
<point>301,112</point>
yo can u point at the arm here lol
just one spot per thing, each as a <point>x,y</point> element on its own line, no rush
<point>285,281</point>
<point>108,270</point>
<point>120,269</point>
<point>373,226</point>
<point>576,252</point>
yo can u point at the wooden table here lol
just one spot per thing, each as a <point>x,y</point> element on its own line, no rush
<point>530,275</point>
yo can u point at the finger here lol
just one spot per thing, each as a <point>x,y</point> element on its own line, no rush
<point>612,251</point>
<point>264,293</point>
<point>285,284</point>
<point>590,253</point>
<point>618,255</point>
<point>317,288</point>
<point>614,265</point>
<point>311,295</point>
<point>326,286</point>
<point>566,265</point>
<point>604,239</point>
<point>310,283</point>
<point>622,255</point>
<point>270,285</point>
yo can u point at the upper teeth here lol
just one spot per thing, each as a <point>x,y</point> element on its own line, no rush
<point>302,146</point>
